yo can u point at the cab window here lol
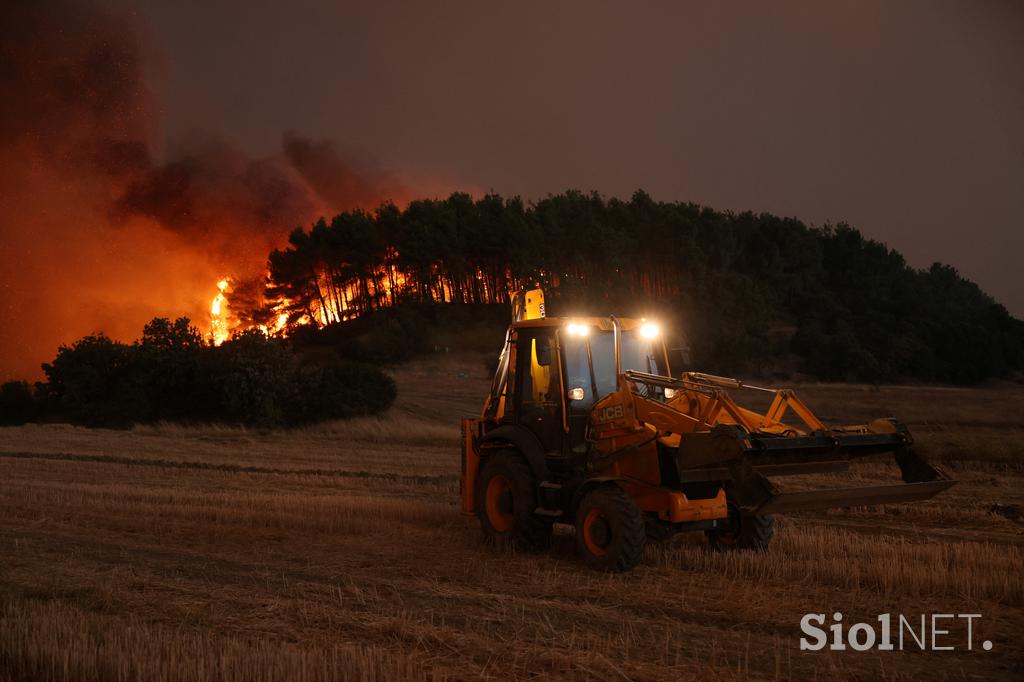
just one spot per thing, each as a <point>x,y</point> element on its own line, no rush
<point>538,386</point>
<point>639,354</point>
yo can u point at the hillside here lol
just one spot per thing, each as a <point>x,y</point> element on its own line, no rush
<point>753,293</point>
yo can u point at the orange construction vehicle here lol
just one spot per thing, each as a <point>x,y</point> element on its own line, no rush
<point>585,424</point>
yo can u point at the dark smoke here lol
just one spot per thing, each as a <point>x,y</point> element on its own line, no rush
<point>212,185</point>
<point>75,96</point>
<point>97,234</point>
<point>335,180</point>
<point>213,188</point>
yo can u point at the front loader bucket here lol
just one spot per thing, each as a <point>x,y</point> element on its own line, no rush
<point>783,503</point>
<point>747,459</point>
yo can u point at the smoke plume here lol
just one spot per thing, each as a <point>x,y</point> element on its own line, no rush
<point>98,235</point>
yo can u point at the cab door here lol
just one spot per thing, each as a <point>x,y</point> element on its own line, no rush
<point>539,387</point>
<point>582,389</point>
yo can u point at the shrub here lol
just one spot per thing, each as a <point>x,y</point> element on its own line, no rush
<point>91,382</point>
<point>171,374</point>
<point>17,403</point>
<point>345,389</point>
<point>257,376</point>
<point>169,362</point>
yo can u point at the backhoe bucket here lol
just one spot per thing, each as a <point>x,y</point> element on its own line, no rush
<point>747,459</point>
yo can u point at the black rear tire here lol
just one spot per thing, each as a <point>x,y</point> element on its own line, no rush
<point>743,532</point>
<point>505,498</point>
<point>610,531</point>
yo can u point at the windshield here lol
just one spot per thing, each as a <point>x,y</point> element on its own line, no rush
<point>638,353</point>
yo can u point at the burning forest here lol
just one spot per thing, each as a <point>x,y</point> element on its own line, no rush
<point>102,228</point>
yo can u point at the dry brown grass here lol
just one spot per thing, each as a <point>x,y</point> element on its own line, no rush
<point>393,429</point>
<point>889,566</point>
<point>51,641</point>
<point>337,552</point>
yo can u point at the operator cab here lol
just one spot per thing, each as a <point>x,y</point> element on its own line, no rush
<point>563,367</point>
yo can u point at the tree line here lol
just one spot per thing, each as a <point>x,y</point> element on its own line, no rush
<point>748,289</point>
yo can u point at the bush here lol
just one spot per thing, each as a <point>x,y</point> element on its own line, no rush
<point>91,382</point>
<point>257,377</point>
<point>171,374</point>
<point>346,389</point>
<point>17,403</point>
<point>170,363</point>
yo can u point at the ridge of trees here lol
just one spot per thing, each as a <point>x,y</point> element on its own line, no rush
<point>747,288</point>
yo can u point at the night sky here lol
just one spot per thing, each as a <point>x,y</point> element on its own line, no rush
<point>904,119</point>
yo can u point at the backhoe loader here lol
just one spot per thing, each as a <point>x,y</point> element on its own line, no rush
<point>586,425</point>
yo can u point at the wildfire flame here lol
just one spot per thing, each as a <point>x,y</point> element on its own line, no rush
<point>219,331</point>
<point>277,327</point>
<point>334,302</point>
<point>222,323</point>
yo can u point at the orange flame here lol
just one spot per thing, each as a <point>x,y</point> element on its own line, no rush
<point>335,301</point>
<point>219,331</point>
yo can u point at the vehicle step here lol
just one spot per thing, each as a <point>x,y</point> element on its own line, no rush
<point>541,511</point>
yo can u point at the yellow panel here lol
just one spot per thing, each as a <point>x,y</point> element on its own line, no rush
<point>534,304</point>
<point>541,376</point>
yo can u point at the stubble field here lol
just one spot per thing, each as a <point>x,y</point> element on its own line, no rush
<point>203,553</point>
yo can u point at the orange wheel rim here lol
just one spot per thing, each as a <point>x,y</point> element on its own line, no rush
<point>597,534</point>
<point>498,500</point>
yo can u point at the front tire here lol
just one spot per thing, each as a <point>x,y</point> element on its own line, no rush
<point>610,531</point>
<point>506,495</point>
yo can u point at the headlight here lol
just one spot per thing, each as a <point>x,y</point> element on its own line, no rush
<point>577,394</point>
<point>670,393</point>
<point>649,330</point>
<point>577,329</point>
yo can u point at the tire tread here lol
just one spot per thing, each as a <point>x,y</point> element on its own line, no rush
<point>616,503</point>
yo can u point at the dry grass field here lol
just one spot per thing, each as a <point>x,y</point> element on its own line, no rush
<point>338,551</point>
